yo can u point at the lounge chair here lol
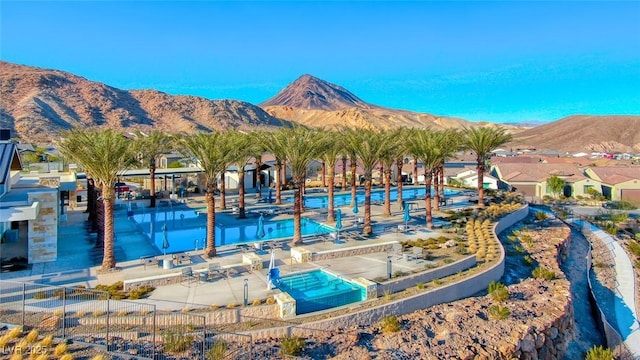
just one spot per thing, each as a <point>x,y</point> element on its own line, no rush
<point>180,258</point>
<point>215,270</point>
<point>188,275</point>
<point>149,261</point>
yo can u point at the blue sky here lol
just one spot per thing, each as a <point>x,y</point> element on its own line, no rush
<point>501,61</point>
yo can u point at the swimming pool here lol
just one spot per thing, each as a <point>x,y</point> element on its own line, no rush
<point>319,290</point>
<point>343,199</point>
<point>186,229</point>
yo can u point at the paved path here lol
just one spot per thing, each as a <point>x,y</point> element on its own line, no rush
<point>625,307</point>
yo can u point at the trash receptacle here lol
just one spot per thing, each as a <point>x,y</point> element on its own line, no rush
<point>167,264</point>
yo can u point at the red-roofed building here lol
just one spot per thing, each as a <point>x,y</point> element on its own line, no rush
<point>618,182</point>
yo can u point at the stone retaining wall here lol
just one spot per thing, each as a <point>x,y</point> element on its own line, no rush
<point>353,251</point>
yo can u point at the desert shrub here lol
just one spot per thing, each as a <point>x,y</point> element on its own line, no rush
<point>634,248</point>
<point>60,349</point>
<point>398,273</point>
<point>100,357</point>
<point>97,313</point>
<point>217,351</point>
<point>213,307</point>
<point>32,336</point>
<point>14,333</point>
<point>21,348</point>
<point>420,285</point>
<point>232,306</point>
<point>379,279</point>
<point>519,249</point>
<point>185,309</point>
<point>270,301</point>
<point>542,273</point>
<point>47,341</point>
<point>16,357</point>
<point>66,357</point>
<point>390,324</point>
<point>498,312</point>
<point>527,260</point>
<point>4,340</point>
<point>611,228</point>
<point>256,302</point>
<point>176,339</point>
<point>292,346</point>
<point>387,295</point>
<point>498,291</point>
<point>540,215</point>
<point>599,353</point>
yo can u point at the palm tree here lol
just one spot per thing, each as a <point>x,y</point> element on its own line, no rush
<point>272,143</point>
<point>103,154</point>
<point>242,150</point>
<point>301,145</point>
<point>482,141</point>
<point>387,158</point>
<point>448,146</point>
<point>148,148</point>
<point>210,156</point>
<point>368,145</point>
<point>330,154</point>
<point>401,150</point>
<point>426,145</point>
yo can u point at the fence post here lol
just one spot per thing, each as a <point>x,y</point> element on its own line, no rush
<point>64,312</point>
<point>153,348</point>
<point>107,337</point>
<point>24,300</point>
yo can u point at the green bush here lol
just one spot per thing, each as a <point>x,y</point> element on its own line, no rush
<point>217,351</point>
<point>176,339</point>
<point>292,346</point>
<point>542,273</point>
<point>540,215</point>
<point>611,228</point>
<point>634,248</point>
<point>499,312</point>
<point>527,260</point>
<point>390,324</point>
<point>599,353</point>
<point>498,291</point>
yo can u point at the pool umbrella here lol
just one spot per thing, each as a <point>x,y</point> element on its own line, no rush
<point>165,239</point>
<point>355,207</point>
<point>338,222</point>
<point>406,216</point>
<point>270,274</point>
<point>260,233</point>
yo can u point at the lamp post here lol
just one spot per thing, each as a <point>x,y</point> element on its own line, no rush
<point>388,266</point>
<point>246,292</point>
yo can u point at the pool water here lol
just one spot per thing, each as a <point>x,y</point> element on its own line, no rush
<point>319,290</point>
<point>344,199</point>
<point>186,229</point>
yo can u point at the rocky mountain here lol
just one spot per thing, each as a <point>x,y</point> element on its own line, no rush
<point>37,104</point>
<point>615,133</point>
<point>317,103</point>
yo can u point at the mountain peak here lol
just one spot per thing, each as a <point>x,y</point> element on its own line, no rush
<point>310,92</point>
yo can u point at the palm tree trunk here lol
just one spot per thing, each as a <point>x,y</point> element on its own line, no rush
<point>301,190</point>
<point>399,181</point>
<point>152,193</point>
<point>277,185</point>
<point>330,216</point>
<point>241,210</point>
<point>223,200</point>
<point>324,174</point>
<point>387,193</point>
<point>415,171</point>
<point>353,183</point>
<point>441,172</point>
<point>259,176</point>
<point>381,174</point>
<point>297,236</point>
<point>210,250</point>
<point>108,259</point>
<point>480,170</point>
<point>436,189</point>
<point>427,199</point>
<point>367,230</point>
<point>344,174</point>
<point>284,173</point>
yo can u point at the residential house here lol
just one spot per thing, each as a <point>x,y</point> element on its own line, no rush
<point>617,182</point>
<point>468,177</point>
<point>530,179</point>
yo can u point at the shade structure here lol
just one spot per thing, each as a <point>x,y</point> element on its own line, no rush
<point>273,273</point>
<point>260,231</point>
<point>406,217</point>
<point>338,222</point>
<point>165,239</point>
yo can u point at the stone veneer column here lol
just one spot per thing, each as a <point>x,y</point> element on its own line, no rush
<point>43,231</point>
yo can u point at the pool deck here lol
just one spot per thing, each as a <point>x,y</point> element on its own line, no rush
<point>76,264</point>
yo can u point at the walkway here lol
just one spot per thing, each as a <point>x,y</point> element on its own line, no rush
<point>625,313</point>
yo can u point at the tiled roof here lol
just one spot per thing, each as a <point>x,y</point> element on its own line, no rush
<point>616,174</point>
<point>536,172</point>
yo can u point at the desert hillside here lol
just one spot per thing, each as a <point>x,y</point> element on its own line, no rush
<point>615,133</point>
<point>37,104</point>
